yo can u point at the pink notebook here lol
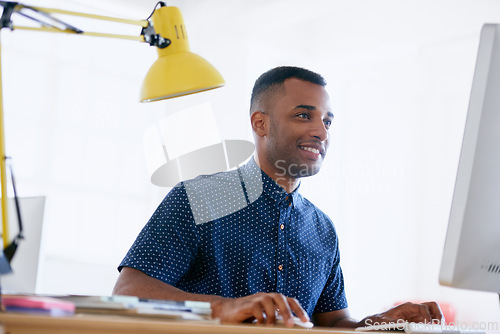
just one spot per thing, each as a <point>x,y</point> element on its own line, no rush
<point>34,304</point>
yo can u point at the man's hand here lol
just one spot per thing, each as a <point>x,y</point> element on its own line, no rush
<point>261,307</point>
<point>426,312</point>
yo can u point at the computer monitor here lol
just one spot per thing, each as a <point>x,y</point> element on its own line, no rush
<point>26,262</point>
<point>471,257</point>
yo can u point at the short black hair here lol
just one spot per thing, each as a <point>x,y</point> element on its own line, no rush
<point>277,76</point>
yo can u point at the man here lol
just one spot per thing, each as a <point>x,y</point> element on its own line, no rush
<point>246,240</point>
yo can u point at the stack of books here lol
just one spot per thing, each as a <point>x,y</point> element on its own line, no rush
<point>116,305</point>
<point>129,305</point>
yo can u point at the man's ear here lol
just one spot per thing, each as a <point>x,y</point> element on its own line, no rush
<point>259,122</point>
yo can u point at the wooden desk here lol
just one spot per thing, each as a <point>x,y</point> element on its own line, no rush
<point>16,323</point>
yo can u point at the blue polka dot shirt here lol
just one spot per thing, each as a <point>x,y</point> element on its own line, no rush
<point>238,233</point>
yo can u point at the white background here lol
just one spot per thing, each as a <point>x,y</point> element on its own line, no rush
<point>399,73</point>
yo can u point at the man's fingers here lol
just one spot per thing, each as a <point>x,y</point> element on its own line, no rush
<point>284,309</point>
<point>269,307</point>
<point>415,312</point>
<point>429,312</point>
<point>262,307</point>
<point>257,313</point>
<point>409,312</point>
<point>435,311</point>
<point>426,313</point>
<point>297,309</point>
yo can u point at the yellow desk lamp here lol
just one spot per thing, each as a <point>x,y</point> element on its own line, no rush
<point>176,72</point>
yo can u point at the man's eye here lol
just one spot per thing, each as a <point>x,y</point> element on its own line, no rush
<point>328,123</point>
<point>303,115</point>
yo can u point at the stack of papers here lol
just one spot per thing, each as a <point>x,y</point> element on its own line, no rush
<point>129,305</point>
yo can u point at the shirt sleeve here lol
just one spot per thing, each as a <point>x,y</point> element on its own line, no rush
<point>333,295</point>
<point>166,247</point>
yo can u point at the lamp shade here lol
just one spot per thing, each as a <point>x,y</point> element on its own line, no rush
<point>177,71</point>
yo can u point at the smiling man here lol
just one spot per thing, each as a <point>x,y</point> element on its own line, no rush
<point>246,240</point>
<point>290,123</point>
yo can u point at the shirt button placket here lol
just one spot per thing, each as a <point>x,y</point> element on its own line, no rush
<point>280,275</point>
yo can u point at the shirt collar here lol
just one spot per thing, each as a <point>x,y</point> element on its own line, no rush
<point>269,186</point>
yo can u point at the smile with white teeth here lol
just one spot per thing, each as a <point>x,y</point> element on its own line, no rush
<point>310,149</point>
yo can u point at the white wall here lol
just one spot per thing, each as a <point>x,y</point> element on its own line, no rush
<point>399,73</point>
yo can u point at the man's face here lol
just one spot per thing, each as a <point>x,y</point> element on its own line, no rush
<point>297,140</point>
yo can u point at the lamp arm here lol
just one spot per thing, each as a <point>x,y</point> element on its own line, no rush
<point>139,38</point>
<point>51,24</point>
<point>47,16</point>
<point>142,23</point>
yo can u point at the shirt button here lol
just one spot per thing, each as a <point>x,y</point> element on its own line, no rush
<point>280,267</point>
<point>289,204</point>
<point>282,226</point>
<point>286,198</point>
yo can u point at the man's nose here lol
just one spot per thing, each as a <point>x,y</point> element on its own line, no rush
<point>319,130</point>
